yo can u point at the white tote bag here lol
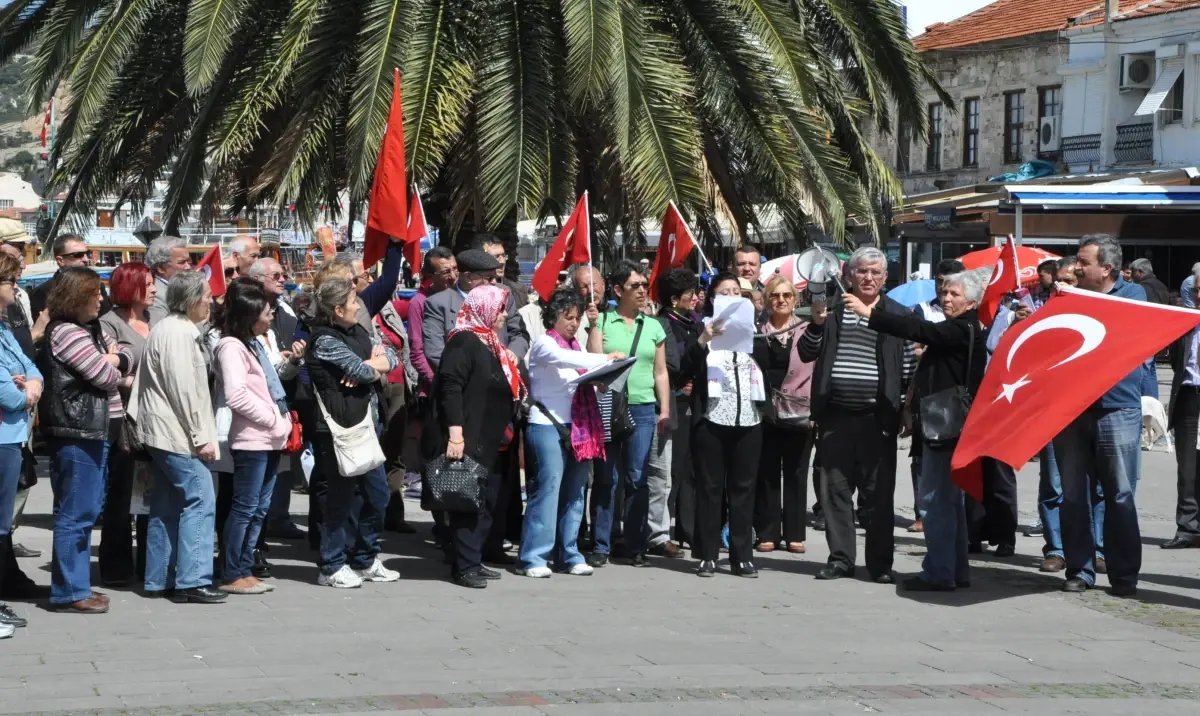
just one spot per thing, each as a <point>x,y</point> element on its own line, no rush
<point>357,447</point>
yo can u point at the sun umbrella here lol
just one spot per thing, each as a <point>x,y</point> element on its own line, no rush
<point>914,292</point>
<point>1027,256</point>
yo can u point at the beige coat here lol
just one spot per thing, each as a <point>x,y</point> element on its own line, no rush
<point>171,402</point>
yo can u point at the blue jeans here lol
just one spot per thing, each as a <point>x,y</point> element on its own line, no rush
<point>945,520</point>
<point>1101,446</point>
<point>183,514</point>
<point>637,494</point>
<point>554,506</point>
<point>10,476</point>
<point>354,510</point>
<point>253,483</point>
<point>1050,500</point>
<point>1150,378</point>
<point>77,473</point>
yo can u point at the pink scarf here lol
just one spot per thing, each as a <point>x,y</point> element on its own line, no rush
<point>587,427</point>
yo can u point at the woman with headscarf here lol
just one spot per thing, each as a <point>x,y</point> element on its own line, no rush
<point>477,389</point>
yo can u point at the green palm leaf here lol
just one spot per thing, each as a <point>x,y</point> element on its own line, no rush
<point>382,51</point>
<point>590,29</point>
<point>211,26</point>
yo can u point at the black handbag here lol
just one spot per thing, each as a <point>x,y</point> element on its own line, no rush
<point>564,431</point>
<point>454,485</point>
<point>944,413</point>
<point>621,427</point>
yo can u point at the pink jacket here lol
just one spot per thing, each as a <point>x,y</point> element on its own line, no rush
<point>257,423</point>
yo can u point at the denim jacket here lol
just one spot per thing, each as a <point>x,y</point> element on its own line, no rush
<point>14,427</point>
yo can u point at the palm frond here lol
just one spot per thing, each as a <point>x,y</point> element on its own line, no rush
<point>589,27</point>
<point>211,27</point>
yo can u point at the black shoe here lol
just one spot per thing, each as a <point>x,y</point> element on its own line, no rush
<point>1075,585</point>
<point>1006,550</point>
<point>596,560</point>
<point>819,523</point>
<point>707,568</point>
<point>1173,543</point>
<point>20,587</point>
<point>919,584</point>
<point>285,530</point>
<point>1123,589</point>
<point>470,580</point>
<point>885,578</point>
<point>158,593</point>
<point>506,545</point>
<point>487,573</point>
<point>9,618</point>
<point>639,560</point>
<point>207,594</point>
<point>261,569</point>
<point>20,551</point>
<point>500,558</point>
<point>975,548</point>
<point>745,569</point>
<point>1037,529</point>
<point>1101,566</point>
<point>831,572</point>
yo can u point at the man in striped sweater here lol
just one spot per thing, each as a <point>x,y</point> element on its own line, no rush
<point>857,397</point>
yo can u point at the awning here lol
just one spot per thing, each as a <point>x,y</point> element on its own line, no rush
<point>1171,69</point>
<point>1066,197</point>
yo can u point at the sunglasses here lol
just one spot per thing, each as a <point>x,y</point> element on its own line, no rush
<point>230,272</point>
<point>75,255</point>
<point>639,284</point>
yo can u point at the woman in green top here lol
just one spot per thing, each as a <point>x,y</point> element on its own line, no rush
<point>648,386</point>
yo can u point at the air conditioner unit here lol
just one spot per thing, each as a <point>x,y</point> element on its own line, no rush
<point>1137,71</point>
<point>1048,137</point>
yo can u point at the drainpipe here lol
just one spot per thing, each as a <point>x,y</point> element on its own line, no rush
<point>1112,83</point>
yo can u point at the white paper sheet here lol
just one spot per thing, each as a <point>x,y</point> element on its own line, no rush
<point>736,315</point>
<point>609,374</point>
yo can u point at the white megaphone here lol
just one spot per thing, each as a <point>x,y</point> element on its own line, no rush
<point>817,266</point>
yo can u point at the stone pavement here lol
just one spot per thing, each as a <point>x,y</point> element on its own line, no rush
<point>632,641</point>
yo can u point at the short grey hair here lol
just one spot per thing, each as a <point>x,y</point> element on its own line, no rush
<point>971,283</point>
<point>238,245</point>
<point>1107,249</point>
<point>184,290</point>
<point>576,268</point>
<point>347,259</point>
<point>261,267</point>
<point>332,293</point>
<point>1142,265</point>
<point>159,251</point>
<point>867,255</point>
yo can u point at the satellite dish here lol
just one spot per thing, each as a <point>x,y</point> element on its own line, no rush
<point>818,266</point>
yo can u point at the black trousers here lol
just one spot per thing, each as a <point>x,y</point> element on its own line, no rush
<point>508,497</point>
<point>857,454</point>
<point>395,429</point>
<point>119,559</point>
<point>995,519</point>
<point>682,500</point>
<point>785,454</point>
<point>726,464</point>
<point>469,530</point>
<point>1185,420</point>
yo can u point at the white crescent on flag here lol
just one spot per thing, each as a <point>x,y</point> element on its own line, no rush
<point>1091,330</point>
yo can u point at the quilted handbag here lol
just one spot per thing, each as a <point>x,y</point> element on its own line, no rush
<point>454,485</point>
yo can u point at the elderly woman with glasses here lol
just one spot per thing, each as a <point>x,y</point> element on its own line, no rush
<point>79,411</point>
<point>173,411</point>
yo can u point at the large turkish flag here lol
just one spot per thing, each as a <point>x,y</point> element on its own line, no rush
<point>1052,366</point>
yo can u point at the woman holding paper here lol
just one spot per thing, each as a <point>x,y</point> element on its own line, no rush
<point>727,433</point>
<point>565,434</point>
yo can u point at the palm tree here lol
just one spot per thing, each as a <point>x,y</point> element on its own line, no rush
<point>511,106</point>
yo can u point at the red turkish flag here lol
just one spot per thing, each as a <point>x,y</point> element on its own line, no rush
<point>387,215</point>
<point>1006,278</point>
<point>675,243</point>
<point>417,231</point>
<point>213,269</point>
<point>1052,366</point>
<point>573,246</point>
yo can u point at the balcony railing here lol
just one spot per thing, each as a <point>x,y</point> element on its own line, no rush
<point>1135,143</point>
<point>1081,149</point>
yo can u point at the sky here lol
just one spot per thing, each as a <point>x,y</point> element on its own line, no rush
<point>922,13</point>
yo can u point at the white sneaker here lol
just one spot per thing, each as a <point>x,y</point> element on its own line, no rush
<point>377,573</point>
<point>344,578</point>
<point>6,630</point>
<point>583,569</point>
<point>535,572</point>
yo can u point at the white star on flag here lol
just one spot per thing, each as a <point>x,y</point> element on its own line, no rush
<point>1008,390</point>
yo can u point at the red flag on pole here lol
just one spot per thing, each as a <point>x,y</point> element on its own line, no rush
<point>1075,347</point>
<point>1006,278</point>
<point>417,231</point>
<point>213,269</point>
<point>675,243</point>
<point>387,215</point>
<point>573,246</point>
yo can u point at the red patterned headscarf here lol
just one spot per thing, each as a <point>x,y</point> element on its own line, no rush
<point>478,316</point>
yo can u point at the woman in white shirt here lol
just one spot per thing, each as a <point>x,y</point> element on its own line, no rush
<point>565,433</point>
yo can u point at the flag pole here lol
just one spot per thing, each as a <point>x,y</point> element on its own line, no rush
<point>587,215</point>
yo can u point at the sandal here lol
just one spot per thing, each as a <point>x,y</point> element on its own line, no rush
<point>765,547</point>
<point>797,547</point>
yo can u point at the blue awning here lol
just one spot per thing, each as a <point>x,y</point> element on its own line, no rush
<point>1069,197</point>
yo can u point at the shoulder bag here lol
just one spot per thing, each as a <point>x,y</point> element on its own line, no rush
<point>787,410</point>
<point>357,447</point>
<point>564,431</point>
<point>944,413</point>
<point>453,485</point>
<point>622,421</point>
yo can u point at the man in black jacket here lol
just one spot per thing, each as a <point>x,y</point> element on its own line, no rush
<point>857,395</point>
<point>1183,416</point>
<point>69,250</point>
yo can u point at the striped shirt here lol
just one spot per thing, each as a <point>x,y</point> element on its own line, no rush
<point>854,376</point>
<point>73,345</point>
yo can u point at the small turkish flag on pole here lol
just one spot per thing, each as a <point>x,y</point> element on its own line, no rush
<point>573,246</point>
<point>1075,348</point>
<point>675,243</point>
<point>1006,278</point>
<point>387,215</point>
<point>214,270</point>
<point>417,231</point>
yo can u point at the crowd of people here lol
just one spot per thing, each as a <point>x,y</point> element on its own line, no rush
<point>177,421</point>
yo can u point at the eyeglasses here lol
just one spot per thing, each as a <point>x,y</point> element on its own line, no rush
<point>277,276</point>
<point>446,272</point>
<point>75,255</point>
<point>782,296</point>
<point>639,284</point>
<point>365,276</point>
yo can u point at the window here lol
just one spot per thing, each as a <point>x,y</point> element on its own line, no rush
<point>971,132</point>
<point>1172,108</point>
<point>933,152</point>
<point>1050,102</point>
<point>6,203</point>
<point>902,149</point>
<point>1014,126</point>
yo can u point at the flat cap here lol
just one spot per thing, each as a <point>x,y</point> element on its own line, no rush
<point>476,261</point>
